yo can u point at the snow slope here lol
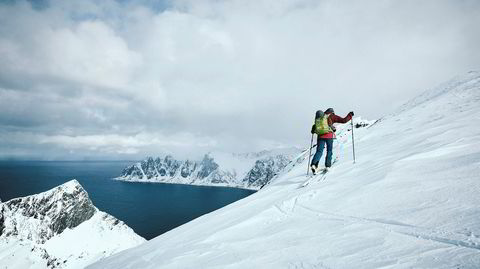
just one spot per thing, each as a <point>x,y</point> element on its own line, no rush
<point>59,228</point>
<point>410,201</point>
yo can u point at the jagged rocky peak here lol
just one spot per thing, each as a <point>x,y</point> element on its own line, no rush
<point>169,167</point>
<point>168,160</point>
<point>152,168</point>
<point>59,228</point>
<point>264,170</point>
<point>41,216</point>
<point>208,165</point>
<point>188,168</point>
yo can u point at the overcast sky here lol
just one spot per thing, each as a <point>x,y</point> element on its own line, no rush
<point>126,79</point>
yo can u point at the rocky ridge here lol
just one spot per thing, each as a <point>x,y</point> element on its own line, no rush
<point>250,171</point>
<point>35,230</point>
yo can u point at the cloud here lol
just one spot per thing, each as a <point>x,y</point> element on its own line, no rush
<point>112,146</point>
<point>36,46</point>
<point>214,75</point>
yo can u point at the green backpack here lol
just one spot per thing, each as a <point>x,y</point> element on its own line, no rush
<point>321,124</point>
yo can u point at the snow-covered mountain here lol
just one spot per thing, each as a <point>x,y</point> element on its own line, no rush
<point>59,228</point>
<point>250,170</point>
<point>411,200</point>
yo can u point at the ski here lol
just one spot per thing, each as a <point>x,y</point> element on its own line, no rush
<point>313,178</point>
<point>323,174</point>
<point>320,176</point>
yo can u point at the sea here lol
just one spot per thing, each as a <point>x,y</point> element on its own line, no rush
<point>150,209</point>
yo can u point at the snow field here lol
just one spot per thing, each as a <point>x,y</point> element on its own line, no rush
<point>410,201</point>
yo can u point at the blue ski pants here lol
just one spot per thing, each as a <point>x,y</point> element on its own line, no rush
<point>321,142</point>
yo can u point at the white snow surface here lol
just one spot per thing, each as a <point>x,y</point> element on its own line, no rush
<point>96,238</point>
<point>410,201</point>
<point>30,242</point>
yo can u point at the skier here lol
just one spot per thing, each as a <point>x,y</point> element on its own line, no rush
<point>325,131</point>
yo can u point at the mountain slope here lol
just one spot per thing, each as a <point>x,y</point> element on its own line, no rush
<point>410,201</point>
<point>59,228</point>
<point>250,171</point>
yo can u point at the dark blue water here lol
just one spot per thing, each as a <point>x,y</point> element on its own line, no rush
<point>150,209</point>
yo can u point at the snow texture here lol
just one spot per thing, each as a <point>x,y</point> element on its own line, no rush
<point>249,171</point>
<point>411,200</point>
<point>59,228</point>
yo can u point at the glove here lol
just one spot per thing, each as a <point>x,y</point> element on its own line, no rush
<point>351,114</point>
<point>334,129</point>
<point>313,129</point>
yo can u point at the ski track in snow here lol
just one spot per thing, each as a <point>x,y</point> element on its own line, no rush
<point>468,240</point>
<point>456,239</point>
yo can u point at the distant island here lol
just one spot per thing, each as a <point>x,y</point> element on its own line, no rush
<point>248,170</point>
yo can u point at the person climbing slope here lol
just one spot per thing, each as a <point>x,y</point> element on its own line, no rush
<point>325,131</point>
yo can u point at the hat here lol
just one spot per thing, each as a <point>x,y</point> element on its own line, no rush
<point>330,110</point>
<point>319,114</point>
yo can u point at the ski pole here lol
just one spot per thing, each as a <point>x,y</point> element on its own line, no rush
<point>353,142</point>
<point>309,155</point>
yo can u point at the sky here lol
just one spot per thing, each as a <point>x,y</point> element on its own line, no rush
<point>122,80</point>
